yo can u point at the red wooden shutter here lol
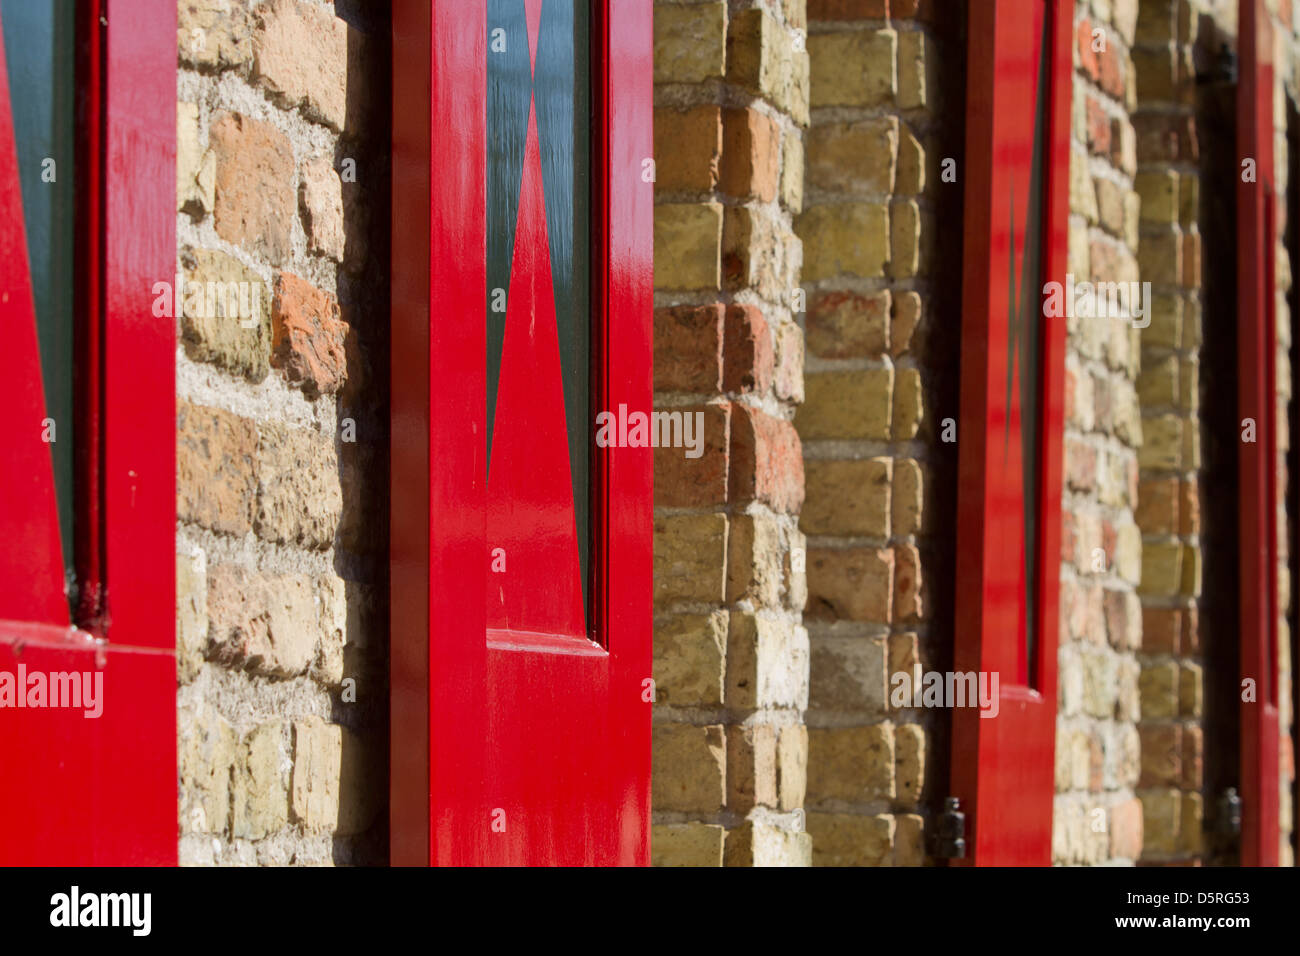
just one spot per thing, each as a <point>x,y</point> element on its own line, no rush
<point>520,731</point>
<point>77,789</point>
<point>1257,460</point>
<point>1016,179</point>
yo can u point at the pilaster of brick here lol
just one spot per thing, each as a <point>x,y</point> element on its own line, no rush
<point>1097,818</point>
<point>1168,183</point>
<point>868,425</point>
<point>281,431</point>
<point>731,652</point>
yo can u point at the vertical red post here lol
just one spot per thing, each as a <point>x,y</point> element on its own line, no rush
<point>1257,460</point>
<point>1017,144</point>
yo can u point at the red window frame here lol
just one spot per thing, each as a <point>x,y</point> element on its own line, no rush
<point>1002,768</point>
<point>99,791</point>
<point>1258,463</point>
<point>594,809</point>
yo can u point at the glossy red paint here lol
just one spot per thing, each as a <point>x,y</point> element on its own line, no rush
<point>509,745</point>
<point>530,491</point>
<point>81,790</point>
<point>1002,767</point>
<point>31,563</point>
<point>1258,461</point>
<point>88,343</point>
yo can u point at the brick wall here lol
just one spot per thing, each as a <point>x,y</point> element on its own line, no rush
<point>868,424</point>
<point>1169,490</point>
<point>731,654</point>
<point>1097,817</point>
<point>281,433</point>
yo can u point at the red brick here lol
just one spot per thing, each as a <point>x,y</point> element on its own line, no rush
<point>254,204</point>
<point>1109,541</point>
<point>1069,536</point>
<point>1161,630</point>
<point>1126,830</point>
<point>688,149</point>
<point>683,482</point>
<point>747,354</point>
<point>1112,72</point>
<point>1098,127</point>
<point>1157,510</point>
<point>688,348</point>
<point>1087,58</point>
<point>751,155</point>
<point>1080,464</point>
<point>308,336</point>
<point>216,454</point>
<point>766,461</point>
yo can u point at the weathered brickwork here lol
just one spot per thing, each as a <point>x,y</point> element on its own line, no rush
<point>868,425</point>
<point>1097,817</point>
<point>281,433</point>
<point>1171,783</point>
<point>731,652</point>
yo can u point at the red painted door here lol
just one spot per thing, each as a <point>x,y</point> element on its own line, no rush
<point>1012,415</point>
<point>520,551</point>
<point>87,494</point>
<point>1258,461</point>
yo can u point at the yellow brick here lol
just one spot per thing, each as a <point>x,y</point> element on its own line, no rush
<point>761,56</point>
<point>689,42</point>
<point>792,765</point>
<point>850,584</point>
<point>915,64</point>
<point>905,239</point>
<point>907,497</point>
<point>686,844</point>
<point>688,240</point>
<point>846,839</point>
<point>910,177</point>
<point>792,172</point>
<point>847,497</point>
<point>690,659</point>
<point>853,764</point>
<point>854,69</point>
<point>847,405</point>
<point>1159,193</point>
<point>850,239</point>
<point>909,406</point>
<point>689,767</point>
<point>689,557</point>
<point>854,158</point>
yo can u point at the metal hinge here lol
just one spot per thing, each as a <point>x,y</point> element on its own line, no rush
<point>949,841</point>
